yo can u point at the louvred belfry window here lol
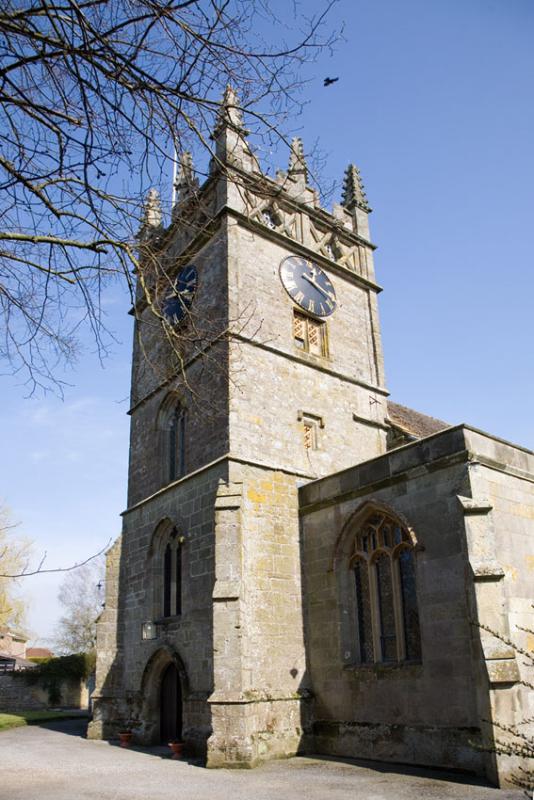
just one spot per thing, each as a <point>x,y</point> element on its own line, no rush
<point>299,330</point>
<point>309,334</point>
<point>387,618</point>
<point>310,428</point>
<point>314,337</point>
<point>309,438</point>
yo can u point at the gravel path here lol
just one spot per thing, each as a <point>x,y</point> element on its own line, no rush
<point>55,762</point>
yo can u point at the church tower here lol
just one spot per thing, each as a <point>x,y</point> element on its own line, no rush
<point>257,368</point>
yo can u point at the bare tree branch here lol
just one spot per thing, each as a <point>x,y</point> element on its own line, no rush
<point>41,570</point>
<point>94,97</point>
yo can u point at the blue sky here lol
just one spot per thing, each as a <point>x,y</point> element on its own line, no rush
<point>434,103</point>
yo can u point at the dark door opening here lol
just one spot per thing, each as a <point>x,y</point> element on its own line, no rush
<point>170,705</point>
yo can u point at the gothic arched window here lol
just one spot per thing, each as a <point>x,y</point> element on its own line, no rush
<point>176,443</point>
<point>166,569</point>
<point>383,565</point>
<point>172,438</point>
<point>171,602</point>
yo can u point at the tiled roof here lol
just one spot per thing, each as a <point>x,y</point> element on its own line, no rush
<point>38,652</point>
<point>413,422</point>
<point>20,662</point>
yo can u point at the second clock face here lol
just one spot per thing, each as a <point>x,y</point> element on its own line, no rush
<point>308,286</point>
<point>179,299</point>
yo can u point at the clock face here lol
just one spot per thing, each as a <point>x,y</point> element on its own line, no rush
<point>308,286</point>
<point>179,299</point>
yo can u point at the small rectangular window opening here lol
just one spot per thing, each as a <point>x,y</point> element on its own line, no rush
<point>309,334</point>
<point>310,436</point>
<point>310,427</point>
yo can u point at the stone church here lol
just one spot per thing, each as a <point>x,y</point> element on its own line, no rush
<point>305,566</point>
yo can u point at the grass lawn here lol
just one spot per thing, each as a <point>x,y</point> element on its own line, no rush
<point>32,718</point>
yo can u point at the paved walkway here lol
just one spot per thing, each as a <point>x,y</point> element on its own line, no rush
<point>54,762</point>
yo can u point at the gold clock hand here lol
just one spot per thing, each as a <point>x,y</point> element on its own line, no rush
<point>317,286</point>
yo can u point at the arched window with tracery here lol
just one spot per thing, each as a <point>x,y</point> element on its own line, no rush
<point>383,564</point>
<point>176,443</point>
<point>172,432</point>
<point>166,569</point>
<point>172,575</point>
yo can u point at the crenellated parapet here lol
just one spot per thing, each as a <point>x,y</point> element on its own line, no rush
<point>286,206</point>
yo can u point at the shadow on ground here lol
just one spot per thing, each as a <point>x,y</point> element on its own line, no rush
<point>78,727</point>
<point>415,770</point>
<point>72,727</point>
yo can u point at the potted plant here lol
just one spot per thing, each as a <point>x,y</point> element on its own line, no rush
<point>177,748</point>
<point>125,738</point>
<point>132,722</point>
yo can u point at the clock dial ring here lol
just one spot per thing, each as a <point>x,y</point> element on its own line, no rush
<point>308,286</point>
<point>179,298</point>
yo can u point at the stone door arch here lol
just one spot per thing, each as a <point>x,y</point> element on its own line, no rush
<point>164,689</point>
<point>170,705</point>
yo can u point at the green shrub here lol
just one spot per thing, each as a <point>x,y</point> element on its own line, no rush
<point>52,672</point>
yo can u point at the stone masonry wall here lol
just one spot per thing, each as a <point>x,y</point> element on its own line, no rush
<point>423,713</point>
<point>265,417</point>
<point>433,712</point>
<point>17,695</point>
<point>206,427</point>
<point>189,505</point>
<point>277,382</point>
<point>254,260</point>
<point>257,706</point>
<point>109,653</point>
<point>500,531</point>
<point>153,362</point>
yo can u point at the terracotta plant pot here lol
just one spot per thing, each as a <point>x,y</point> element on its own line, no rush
<point>125,738</point>
<point>177,749</point>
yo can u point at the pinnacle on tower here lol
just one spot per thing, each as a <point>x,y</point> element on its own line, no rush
<point>297,162</point>
<point>353,190</point>
<point>186,181</point>
<point>152,216</point>
<point>231,146</point>
<point>230,113</point>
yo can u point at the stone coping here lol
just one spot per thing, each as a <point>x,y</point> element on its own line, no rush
<point>457,444</point>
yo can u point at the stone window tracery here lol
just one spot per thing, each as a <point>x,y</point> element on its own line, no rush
<point>386,615</point>
<point>172,575</point>
<point>176,443</point>
<point>171,424</point>
<point>166,571</point>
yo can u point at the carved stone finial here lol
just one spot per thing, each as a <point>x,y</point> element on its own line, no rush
<point>353,190</point>
<point>152,216</point>
<point>186,181</point>
<point>230,113</point>
<point>297,162</point>
<point>231,146</point>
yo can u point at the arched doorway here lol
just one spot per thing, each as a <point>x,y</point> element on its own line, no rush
<point>170,705</point>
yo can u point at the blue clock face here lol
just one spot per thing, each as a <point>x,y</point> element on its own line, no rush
<point>308,286</point>
<point>179,299</point>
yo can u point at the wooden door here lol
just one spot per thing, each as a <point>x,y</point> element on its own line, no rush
<point>170,705</point>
